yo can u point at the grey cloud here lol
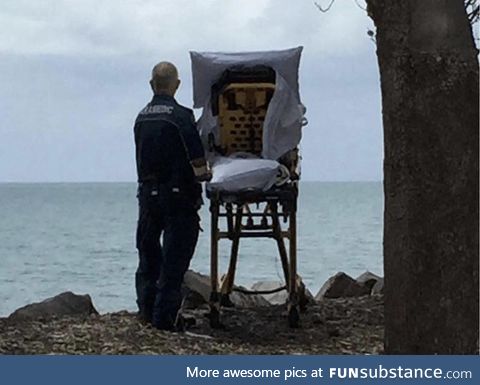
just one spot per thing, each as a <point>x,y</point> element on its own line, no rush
<point>126,27</point>
<point>69,95</point>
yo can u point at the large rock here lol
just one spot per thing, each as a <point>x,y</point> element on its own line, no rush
<point>64,304</point>
<point>341,285</point>
<point>198,290</point>
<point>368,279</point>
<point>278,298</point>
<point>378,287</point>
<point>247,300</point>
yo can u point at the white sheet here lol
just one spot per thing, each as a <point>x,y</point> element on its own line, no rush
<point>285,115</point>
<point>234,174</point>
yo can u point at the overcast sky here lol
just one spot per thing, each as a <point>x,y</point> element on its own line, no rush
<point>74,74</point>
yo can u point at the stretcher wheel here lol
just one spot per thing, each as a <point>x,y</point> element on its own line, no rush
<point>302,299</point>
<point>225,301</point>
<point>214,317</point>
<point>293,317</point>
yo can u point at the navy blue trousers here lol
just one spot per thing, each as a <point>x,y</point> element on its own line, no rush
<point>167,233</point>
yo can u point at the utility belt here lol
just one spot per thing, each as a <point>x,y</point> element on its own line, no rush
<point>152,187</point>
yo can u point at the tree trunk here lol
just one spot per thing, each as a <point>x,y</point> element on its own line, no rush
<point>429,79</point>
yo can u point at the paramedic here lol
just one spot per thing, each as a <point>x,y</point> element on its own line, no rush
<point>170,164</point>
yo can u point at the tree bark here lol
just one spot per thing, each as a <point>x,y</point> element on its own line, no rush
<point>429,78</point>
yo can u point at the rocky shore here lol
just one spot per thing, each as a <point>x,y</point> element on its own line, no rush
<point>345,317</point>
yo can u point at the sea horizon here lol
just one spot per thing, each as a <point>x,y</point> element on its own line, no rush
<point>80,236</point>
<point>123,182</point>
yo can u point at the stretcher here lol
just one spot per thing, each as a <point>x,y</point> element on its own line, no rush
<point>252,110</point>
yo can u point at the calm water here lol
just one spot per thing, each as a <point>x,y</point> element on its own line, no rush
<point>80,237</point>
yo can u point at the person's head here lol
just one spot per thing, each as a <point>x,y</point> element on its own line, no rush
<point>164,79</point>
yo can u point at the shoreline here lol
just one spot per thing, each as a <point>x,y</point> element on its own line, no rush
<point>345,317</point>
<point>332,326</point>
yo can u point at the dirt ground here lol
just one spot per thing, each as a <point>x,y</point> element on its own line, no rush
<point>333,326</point>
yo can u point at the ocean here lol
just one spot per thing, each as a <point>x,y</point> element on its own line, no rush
<point>80,237</point>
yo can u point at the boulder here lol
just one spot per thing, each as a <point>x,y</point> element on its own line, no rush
<point>280,297</point>
<point>240,299</point>
<point>197,288</point>
<point>64,304</point>
<point>378,287</point>
<point>368,279</point>
<point>341,285</point>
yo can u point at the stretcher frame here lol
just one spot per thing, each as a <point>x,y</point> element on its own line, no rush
<point>241,107</point>
<point>280,202</point>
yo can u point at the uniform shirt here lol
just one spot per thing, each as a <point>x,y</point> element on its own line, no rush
<point>153,150</point>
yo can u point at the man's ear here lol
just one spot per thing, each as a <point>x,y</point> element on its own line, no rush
<point>151,86</point>
<point>178,83</point>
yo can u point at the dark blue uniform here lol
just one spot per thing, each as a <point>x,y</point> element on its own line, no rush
<point>166,140</point>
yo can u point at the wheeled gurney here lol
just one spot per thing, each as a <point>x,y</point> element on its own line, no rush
<point>252,110</point>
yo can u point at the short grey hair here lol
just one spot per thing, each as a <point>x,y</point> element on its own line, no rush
<point>164,76</point>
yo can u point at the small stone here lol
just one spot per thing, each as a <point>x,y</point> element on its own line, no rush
<point>333,332</point>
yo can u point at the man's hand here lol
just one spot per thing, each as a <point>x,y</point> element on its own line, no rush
<point>201,170</point>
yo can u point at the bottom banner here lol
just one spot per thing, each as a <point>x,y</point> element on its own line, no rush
<point>91,370</point>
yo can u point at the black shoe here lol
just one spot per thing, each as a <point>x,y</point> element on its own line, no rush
<point>164,324</point>
<point>165,328</point>
<point>183,323</point>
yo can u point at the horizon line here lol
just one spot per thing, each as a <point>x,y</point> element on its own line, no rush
<point>135,182</point>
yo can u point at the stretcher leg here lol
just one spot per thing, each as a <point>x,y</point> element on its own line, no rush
<point>293,310</point>
<point>227,285</point>
<point>214,295</point>
<point>280,243</point>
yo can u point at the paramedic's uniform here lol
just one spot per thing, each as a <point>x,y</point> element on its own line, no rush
<point>169,197</point>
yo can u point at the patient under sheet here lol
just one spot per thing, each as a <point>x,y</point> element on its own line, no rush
<point>236,174</point>
<point>282,126</point>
